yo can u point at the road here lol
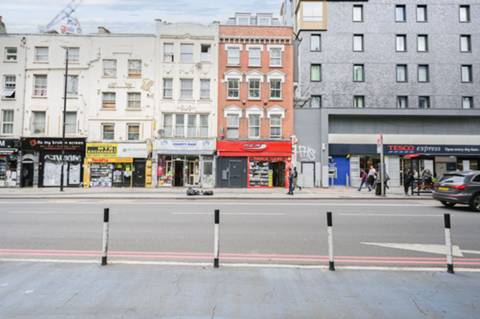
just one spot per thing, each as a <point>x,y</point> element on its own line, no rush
<point>366,233</point>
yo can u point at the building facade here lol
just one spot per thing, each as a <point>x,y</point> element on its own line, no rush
<point>406,70</point>
<point>255,104</point>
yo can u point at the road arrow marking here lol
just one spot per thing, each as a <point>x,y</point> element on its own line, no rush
<point>424,248</point>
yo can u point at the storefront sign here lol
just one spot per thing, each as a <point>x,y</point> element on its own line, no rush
<point>102,150</point>
<point>408,149</point>
<point>244,148</point>
<point>70,158</point>
<point>53,144</point>
<point>8,143</point>
<point>132,150</point>
<point>254,147</point>
<point>185,147</point>
<point>114,160</point>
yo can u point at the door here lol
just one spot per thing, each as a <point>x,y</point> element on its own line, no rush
<point>27,174</point>
<point>139,173</point>
<point>308,174</point>
<point>178,173</point>
<point>236,170</point>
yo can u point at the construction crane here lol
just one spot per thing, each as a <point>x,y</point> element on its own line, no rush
<point>70,23</point>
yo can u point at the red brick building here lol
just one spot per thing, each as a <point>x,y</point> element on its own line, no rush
<point>255,110</point>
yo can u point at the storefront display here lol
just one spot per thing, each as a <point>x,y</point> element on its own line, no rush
<point>9,175</point>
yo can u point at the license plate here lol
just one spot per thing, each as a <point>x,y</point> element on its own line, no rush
<point>443,188</point>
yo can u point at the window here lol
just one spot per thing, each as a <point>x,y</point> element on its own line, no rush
<point>108,100</point>
<point>186,53</point>
<point>7,121</point>
<point>358,42</point>
<point>466,73</point>
<point>233,56</point>
<point>401,43</point>
<point>9,86</point>
<point>400,13</point>
<point>70,122</point>
<point>243,21</point>
<point>72,85</point>
<point>402,73</point>
<point>168,53</point>
<point>357,13</point>
<point>254,89</point>
<point>40,85</point>
<point>108,132</point>
<point>134,68</point>
<point>134,100</point>
<point>359,101</point>
<point>465,43</point>
<point>275,57</point>
<point>316,101</point>
<point>423,102</point>
<point>167,88</point>
<point>422,43</point>
<point>10,54</point>
<point>41,54</point>
<point>110,68</point>
<point>205,52</point>
<point>203,125</point>
<point>73,55</point>
<point>205,89</point>
<point>315,72</point>
<point>467,102</point>
<point>358,73</point>
<point>464,13</point>
<point>186,89</point>
<point>133,132</point>
<point>233,123</point>
<point>254,126</point>
<point>423,73</point>
<point>38,122</point>
<point>254,57</point>
<point>233,90</point>
<point>191,125</point>
<point>421,13</point>
<point>168,124</point>
<point>313,11</point>
<point>179,125</point>
<point>402,102</point>
<point>316,42</point>
<point>275,126</point>
<point>275,89</point>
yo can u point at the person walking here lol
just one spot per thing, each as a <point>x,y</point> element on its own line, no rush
<point>364,180</point>
<point>408,181</point>
<point>295,179</point>
<point>291,183</point>
<point>371,177</point>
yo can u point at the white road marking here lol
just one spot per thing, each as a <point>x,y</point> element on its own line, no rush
<point>475,252</point>
<point>230,213</point>
<point>390,215</point>
<point>53,213</point>
<point>424,248</point>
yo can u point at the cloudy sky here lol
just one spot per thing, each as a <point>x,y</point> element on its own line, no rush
<point>126,15</point>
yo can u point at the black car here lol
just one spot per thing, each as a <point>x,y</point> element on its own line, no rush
<point>459,188</point>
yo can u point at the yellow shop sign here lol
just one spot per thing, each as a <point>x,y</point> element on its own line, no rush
<point>102,150</point>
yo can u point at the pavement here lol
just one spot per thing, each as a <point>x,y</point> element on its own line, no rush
<point>85,291</point>
<point>219,193</point>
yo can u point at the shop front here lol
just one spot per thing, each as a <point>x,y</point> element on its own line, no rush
<point>252,164</point>
<point>117,165</point>
<point>42,162</point>
<point>184,163</point>
<point>9,165</point>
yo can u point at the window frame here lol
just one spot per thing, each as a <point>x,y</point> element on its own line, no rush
<point>230,127</point>
<point>73,58</point>
<point>37,55</point>
<point>35,122</point>
<point>275,89</point>
<point>397,68</point>
<point>357,6</point>
<point>233,60</point>
<point>205,89</point>
<point>40,91</point>
<point>403,7</point>
<point>468,38</point>
<point>70,124</point>
<point>404,41</point>
<point>72,90</point>
<point>231,89</point>
<point>471,102</point>
<point>134,73</point>
<point>168,56</point>
<point>469,68</point>
<point>422,7</point>
<point>183,54</point>
<point>467,11</point>
<point>362,66</point>
<point>184,90</point>
<point>7,85</point>
<point>104,125</point>
<point>275,61</point>
<point>319,98</point>
<point>7,54</point>
<point>312,17</point>
<point>425,67</point>
<point>427,99</point>
<point>165,89</point>
<point>319,37</point>
<point>109,71</point>
<point>356,99</point>
<point>362,42</point>
<point>404,98</point>
<point>250,89</point>
<point>279,126</point>
<point>312,67</point>
<point>107,104</point>
<point>257,126</point>
<point>131,101</point>
<point>8,123</point>
<point>425,38</point>
<point>250,60</point>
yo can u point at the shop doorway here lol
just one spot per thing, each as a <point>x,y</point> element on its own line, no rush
<point>178,168</point>
<point>278,169</point>
<point>139,173</point>
<point>27,174</point>
<point>235,169</point>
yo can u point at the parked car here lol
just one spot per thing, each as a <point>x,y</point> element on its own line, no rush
<point>459,188</point>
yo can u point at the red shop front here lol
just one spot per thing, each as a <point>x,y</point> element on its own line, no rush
<point>253,164</point>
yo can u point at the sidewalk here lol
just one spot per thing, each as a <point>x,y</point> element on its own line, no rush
<point>219,193</point>
<point>85,291</point>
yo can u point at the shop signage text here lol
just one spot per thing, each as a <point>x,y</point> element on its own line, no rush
<point>254,147</point>
<point>432,149</point>
<point>102,150</point>
<point>53,144</point>
<point>67,158</point>
<point>9,143</point>
<point>185,145</point>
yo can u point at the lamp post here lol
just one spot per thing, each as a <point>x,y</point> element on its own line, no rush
<point>64,115</point>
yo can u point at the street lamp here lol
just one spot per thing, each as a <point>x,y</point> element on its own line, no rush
<point>64,115</point>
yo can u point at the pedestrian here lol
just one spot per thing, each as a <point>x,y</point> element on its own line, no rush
<point>408,181</point>
<point>291,183</point>
<point>364,180</point>
<point>371,177</point>
<point>295,179</point>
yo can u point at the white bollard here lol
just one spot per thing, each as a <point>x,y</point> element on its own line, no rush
<point>106,213</point>
<point>331,261</point>
<point>448,243</point>
<point>216,243</point>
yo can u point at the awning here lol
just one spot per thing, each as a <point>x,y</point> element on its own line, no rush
<point>8,93</point>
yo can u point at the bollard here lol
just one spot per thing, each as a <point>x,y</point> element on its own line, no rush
<point>448,243</point>
<point>331,262</point>
<point>216,244</point>
<point>106,215</point>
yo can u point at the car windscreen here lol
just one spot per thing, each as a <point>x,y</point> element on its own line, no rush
<point>453,179</point>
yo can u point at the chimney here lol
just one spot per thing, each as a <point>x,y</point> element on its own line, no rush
<point>103,30</point>
<point>3,29</point>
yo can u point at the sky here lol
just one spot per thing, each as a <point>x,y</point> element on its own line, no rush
<point>134,16</point>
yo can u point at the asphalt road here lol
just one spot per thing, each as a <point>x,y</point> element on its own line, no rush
<point>292,232</point>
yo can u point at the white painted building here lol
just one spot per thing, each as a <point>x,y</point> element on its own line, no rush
<point>187,72</point>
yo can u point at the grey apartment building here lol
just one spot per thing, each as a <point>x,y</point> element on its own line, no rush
<point>408,70</point>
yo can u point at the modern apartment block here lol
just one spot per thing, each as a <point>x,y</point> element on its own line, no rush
<point>255,103</point>
<point>406,69</point>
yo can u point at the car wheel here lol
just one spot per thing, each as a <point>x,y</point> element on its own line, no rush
<point>475,204</point>
<point>448,204</point>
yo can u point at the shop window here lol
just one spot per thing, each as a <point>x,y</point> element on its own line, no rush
<point>203,125</point>
<point>38,122</point>
<point>233,123</point>
<point>40,85</point>
<point>72,85</point>
<point>108,132</point>
<point>254,126</point>
<point>275,126</point>
<point>135,68</point>
<point>254,57</point>
<point>168,53</point>
<point>191,125</point>
<point>41,54</point>
<point>133,131</point>
<point>168,125</point>
<point>179,125</point>
<point>233,56</point>
<point>205,52</point>
<point>9,86</point>
<point>70,122</point>
<point>73,55</point>
<point>167,88</point>
<point>233,88</point>
<point>7,122</point>
<point>186,89</point>
<point>276,89</point>
<point>275,57</point>
<point>108,100</point>
<point>134,100</point>
<point>10,54</point>
<point>186,53</point>
<point>110,68</point>
<point>254,89</point>
<point>205,89</point>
